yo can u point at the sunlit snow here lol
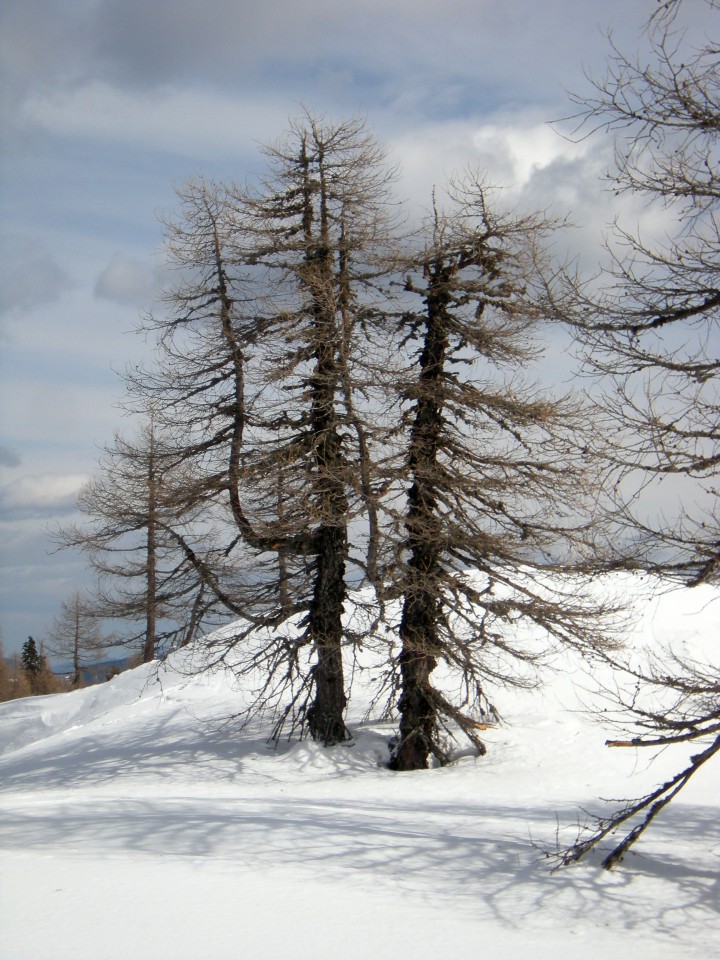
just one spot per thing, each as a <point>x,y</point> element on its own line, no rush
<point>136,823</point>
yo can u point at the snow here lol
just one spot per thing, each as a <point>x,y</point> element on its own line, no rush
<point>137,822</point>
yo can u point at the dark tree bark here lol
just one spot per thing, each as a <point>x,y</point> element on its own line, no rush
<point>259,363</point>
<point>496,482</point>
<point>418,627</point>
<point>151,555</point>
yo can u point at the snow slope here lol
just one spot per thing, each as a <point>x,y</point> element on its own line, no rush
<point>135,823</point>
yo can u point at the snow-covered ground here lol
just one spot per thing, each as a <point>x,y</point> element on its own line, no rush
<point>135,824</point>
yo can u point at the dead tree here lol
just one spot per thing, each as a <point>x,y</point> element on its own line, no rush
<point>143,576</point>
<point>262,375</point>
<point>671,702</point>
<point>496,479</point>
<point>652,333</point>
<point>76,636</point>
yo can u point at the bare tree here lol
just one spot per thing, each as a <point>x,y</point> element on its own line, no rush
<point>76,636</point>
<point>261,369</point>
<point>674,701</point>
<point>13,682</point>
<point>667,10</point>
<point>497,475</point>
<point>128,507</point>
<point>6,685</point>
<point>653,333</point>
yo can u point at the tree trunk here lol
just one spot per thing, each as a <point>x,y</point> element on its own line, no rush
<point>418,629</point>
<point>418,720</point>
<point>326,714</point>
<point>77,675</point>
<point>151,557</point>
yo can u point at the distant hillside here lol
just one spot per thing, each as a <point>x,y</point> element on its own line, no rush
<point>97,672</point>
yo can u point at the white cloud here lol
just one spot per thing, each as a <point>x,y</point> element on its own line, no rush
<point>512,151</point>
<point>41,494</point>
<point>189,123</point>
<point>429,155</point>
<point>126,281</point>
<point>9,458</point>
<point>535,168</point>
<point>29,275</point>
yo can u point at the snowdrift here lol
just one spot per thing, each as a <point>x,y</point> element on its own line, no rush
<point>141,804</point>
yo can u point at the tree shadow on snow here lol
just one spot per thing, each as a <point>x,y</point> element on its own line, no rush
<point>476,856</point>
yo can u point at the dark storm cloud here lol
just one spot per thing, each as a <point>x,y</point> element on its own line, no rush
<point>43,41</point>
<point>173,39</point>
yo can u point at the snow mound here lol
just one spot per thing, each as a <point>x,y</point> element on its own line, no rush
<point>146,798</point>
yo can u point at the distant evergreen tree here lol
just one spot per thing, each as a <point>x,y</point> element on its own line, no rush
<point>31,660</point>
<point>37,671</point>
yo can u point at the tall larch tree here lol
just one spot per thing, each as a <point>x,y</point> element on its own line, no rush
<point>498,485</point>
<point>263,369</point>
<point>76,637</point>
<point>143,577</point>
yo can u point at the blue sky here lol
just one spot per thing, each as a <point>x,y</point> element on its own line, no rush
<point>108,103</point>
